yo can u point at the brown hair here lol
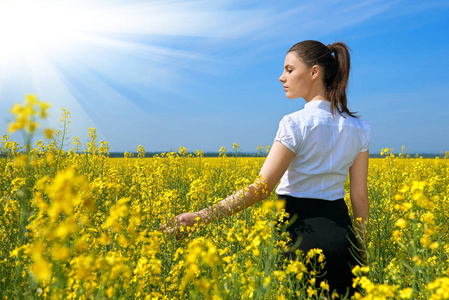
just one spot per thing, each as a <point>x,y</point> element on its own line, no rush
<point>335,69</point>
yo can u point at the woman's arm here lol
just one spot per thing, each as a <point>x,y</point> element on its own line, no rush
<point>272,170</point>
<point>358,178</point>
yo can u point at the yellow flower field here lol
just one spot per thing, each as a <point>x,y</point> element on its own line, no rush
<point>79,225</point>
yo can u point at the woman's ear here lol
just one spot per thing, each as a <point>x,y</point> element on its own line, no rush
<point>315,72</point>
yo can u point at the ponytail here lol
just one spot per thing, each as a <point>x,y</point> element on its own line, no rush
<point>335,62</point>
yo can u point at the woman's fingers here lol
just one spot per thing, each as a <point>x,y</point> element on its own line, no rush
<point>173,226</point>
<point>167,229</point>
<point>165,226</point>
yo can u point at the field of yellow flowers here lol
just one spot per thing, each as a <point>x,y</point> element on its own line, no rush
<point>79,225</point>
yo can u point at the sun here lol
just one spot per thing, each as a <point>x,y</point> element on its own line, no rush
<point>29,27</point>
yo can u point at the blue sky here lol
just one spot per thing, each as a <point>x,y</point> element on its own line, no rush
<point>204,74</point>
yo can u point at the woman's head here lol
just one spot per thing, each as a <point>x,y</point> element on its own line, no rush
<point>333,62</point>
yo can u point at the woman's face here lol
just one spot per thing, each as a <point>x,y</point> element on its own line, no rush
<point>297,78</point>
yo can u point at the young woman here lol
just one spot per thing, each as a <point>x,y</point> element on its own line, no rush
<point>313,151</point>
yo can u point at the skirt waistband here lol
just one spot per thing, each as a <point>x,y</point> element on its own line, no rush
<point>310,207</point>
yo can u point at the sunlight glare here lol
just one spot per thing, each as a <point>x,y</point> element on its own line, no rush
<point>81,54</point>
<point>28,27</point>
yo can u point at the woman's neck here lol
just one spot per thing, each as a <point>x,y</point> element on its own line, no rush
<point>317,92</point>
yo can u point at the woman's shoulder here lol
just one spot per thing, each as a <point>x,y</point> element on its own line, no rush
<point>296,116</point>
<point>294,120</point>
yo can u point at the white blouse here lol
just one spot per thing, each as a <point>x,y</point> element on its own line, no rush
<point>325,146</point>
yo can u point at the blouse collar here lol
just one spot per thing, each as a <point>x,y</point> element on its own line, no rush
<point>323,104</point>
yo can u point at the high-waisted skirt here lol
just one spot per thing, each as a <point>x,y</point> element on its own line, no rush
<point>325,225</point>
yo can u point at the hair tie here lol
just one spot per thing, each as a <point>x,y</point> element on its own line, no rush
<point>331,48</point>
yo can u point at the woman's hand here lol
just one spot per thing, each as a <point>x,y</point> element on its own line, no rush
<point>173,227</point>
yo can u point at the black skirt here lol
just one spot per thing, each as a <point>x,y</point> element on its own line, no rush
<point>325,225</point>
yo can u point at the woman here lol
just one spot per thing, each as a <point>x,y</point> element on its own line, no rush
<point>313,151</point>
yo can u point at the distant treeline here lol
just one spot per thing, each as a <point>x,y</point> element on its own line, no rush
<point>205,154</point>
<point>253,154</point>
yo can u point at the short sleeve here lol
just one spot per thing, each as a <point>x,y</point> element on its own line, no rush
<point>366,137</point>
<point>287,134</point>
